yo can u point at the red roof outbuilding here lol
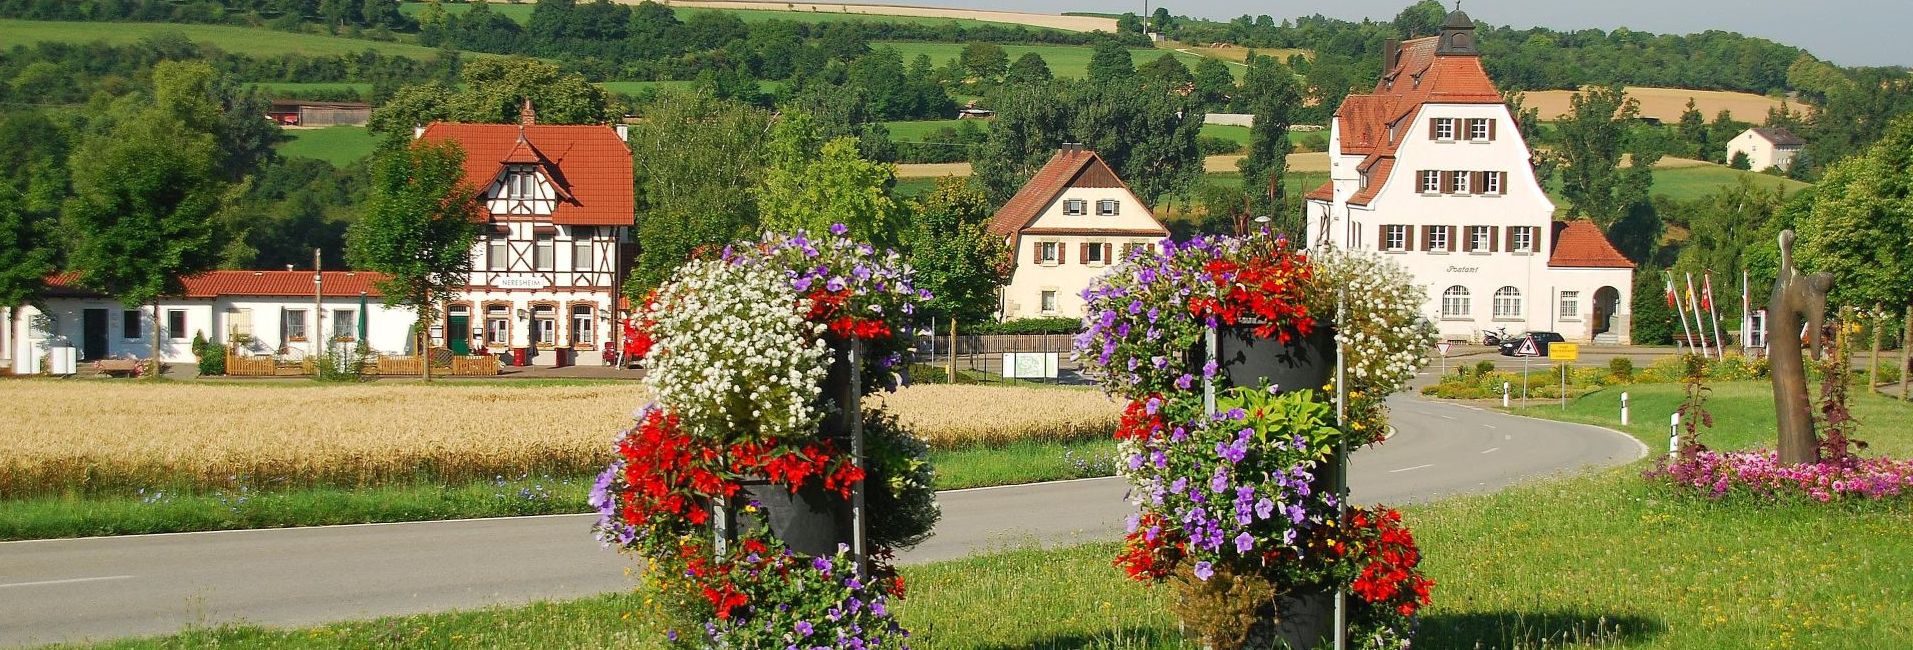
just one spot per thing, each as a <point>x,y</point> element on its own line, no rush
<point>1580,244</point>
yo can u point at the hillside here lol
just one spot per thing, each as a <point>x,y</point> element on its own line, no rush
<point>246,40</point>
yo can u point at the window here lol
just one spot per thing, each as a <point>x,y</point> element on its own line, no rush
<point>1478,238</point>
<point>1507,302</point>
<point>345,325</point>
<point>1075,206</point>
<point>1047,252</point>
<point>1444,128</point>
<point>1049,301</point>
<point>1570,305</point>
<point>176,324</point>
<point>239,322</point>
<point>1491,183</point>
<point>1430,181</point>
<point>1523,237</point>
<point>129,324</point>
<point>581,247</point>
<point>542,253</point>
<point>544,321</point>
<point>1438,238</point>
<point>498,325</point>
<point>521,184</point>
<point>1454,302</point>
<point>1461,182</point>
<point>1095,253</point>
<point>1395,238</point>
<point>1129,249</point>
<point>1478,129</point>
<point>293,325</point>
<point>582,321</point>
<point>495,254</point>
<point>1106,207</point>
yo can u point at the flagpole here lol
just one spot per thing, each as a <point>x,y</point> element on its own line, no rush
<point>1713,310</point>
<point>1699,323</point>
<point>1674,300</point>
<point>1746,315</point>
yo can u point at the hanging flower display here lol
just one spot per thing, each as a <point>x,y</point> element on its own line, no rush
<point>741,348</point>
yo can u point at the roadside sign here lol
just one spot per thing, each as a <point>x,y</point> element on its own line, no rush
<point>1442,347</point>
<point>1564,352</point>
<point>1527,348</point>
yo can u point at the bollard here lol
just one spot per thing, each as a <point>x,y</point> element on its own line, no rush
<point>1623,409</point>
<point>1674,436</point>
<point>1504,394</point>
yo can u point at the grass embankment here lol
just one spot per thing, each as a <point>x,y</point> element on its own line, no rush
<point>206,456</point>
<point>339,145</point>
<point>246,40</point>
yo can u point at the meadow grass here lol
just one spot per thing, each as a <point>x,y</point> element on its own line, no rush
<point>273,87</point>
<point>1743,415</point>
<point>1689,183</point>
<point>1068,61</point>
<point>521,13</point>
<point>918,130</point>
<point>339,145</point>
<point>246,40</point>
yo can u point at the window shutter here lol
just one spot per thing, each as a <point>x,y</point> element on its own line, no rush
<point>1152,249</point>
<point>1478,182</point>
<point>1061,253</point>
<point>1424,237</point>
<point>1447,182</point>
<point>1036,252</point>
<point>1491,128</point>
<point>1381,238</point>
<point>1453,233</point>
<point>1431,128</point>
<point>1493,239</point>
<point>1083,249</point>
<point>1503,183</point>
<point>1109,253</point>
<point>1510,237</point>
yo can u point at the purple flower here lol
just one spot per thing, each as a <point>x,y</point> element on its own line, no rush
<point>1184,382</point>
<point>803,629</point>
<point>1205,571</point>
<point>1264,508</point>
<point>1243,543</point>
<point>839,229</point>
<point>836,283</point>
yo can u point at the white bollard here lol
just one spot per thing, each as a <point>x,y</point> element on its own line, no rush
<point>1505,389</point>
<point>1674,436</point>
<point>1623,409</point>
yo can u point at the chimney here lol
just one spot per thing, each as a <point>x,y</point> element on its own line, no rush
<point>1391,54</point>
<point>624,131</point>
<point>1072,148</point>
<point>527,116</point>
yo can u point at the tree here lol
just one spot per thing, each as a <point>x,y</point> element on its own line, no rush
<point>1861,224</point>
<point>985,61</point>
<point>1740,161</point>
<point>1593,142</point>
<point>1147,138</point>
<point>1693,129</point>
<point>1423,18</point>
<point>1110,61</point>
<point>142,214</point>
<point>1165,73</point>
<point>813,187</point>
<point>28,252</point>
<point>1214,85</point>
<point>493,91</point>
<point>1160,21</point>
<point>1028,69</point>
<point>419,226</point>
<point>1272,95</point>
<point>956,258</point>
<point>698,163</point>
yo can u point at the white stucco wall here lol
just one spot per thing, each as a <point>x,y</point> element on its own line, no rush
<point>1761,154</point>
<point>1131,225</point>
<point>64,321</point>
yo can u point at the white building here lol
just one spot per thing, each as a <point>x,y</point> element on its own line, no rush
<point>1766,147</point>
<point>557,201</point>
<point>1431,169</point>
<point>273,313</point>
<point>1069,224</point>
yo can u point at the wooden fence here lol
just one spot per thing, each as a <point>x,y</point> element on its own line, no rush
<point>473,366</point>
<point>238,366</point>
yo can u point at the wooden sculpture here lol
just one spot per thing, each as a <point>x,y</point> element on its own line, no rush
<point>1795,297</point>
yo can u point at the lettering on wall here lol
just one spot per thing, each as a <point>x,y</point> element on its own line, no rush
<point>1464,269</point>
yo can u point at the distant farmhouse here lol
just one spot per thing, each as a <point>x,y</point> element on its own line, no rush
<point>1071,222</point>
<point>1430,169</point>
<point>1766,147</point>
<point>298,112</point>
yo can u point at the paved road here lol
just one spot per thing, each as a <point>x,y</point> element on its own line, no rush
<point>99,588</point>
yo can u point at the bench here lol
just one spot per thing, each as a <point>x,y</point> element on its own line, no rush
<point>118,367</point>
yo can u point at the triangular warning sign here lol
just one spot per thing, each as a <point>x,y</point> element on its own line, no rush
<point>1527,348</point>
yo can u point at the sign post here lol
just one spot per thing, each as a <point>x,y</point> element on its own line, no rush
<point>1564,353</point>
<point>1527,352</point>
<point>1442,347</point>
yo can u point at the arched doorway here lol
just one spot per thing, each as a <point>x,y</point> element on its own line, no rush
<point>1606,300</point>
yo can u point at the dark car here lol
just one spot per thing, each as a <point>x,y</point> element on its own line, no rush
<point>1541,341</point>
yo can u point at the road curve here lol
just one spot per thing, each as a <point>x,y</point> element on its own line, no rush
<point>107,587</point>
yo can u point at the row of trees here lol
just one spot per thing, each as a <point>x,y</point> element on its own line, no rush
<point>333,14</point>
<point>53,72</point>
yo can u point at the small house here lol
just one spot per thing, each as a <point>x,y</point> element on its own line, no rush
<point>1766,147</point>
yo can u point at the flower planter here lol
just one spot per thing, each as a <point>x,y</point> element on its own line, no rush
<point>1243,359</point>
<point>1298,621</point>
<point>812,521</point>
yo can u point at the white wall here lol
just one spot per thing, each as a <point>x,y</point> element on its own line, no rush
<point>64,321</point>
<point>1761,154</point>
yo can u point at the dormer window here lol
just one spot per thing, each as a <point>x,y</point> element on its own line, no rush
<point>520,184</point>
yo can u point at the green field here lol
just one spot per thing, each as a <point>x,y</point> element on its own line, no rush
<point>339,145</point>
<point>295,86</point>
<point>522,14</point>
<point>1689,183</point>
<point>1071,61</point>
<point>917,130</point>
<point>246,40</point>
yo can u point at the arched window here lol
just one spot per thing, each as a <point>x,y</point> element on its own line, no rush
<point>1454,302</point>
<point>1507,302</point>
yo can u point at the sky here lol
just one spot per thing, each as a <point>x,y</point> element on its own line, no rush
<point>1846,32</point>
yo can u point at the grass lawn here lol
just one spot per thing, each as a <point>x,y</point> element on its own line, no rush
<point>1689,183</point>
<point>917,130</point>
<point>1070,61</point>
<point>251,41</point>
<point>339,145</point>
<point>1743,415</point>
<point>913,187</point>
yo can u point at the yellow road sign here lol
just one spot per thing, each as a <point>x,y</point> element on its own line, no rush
<point>1564,351</point>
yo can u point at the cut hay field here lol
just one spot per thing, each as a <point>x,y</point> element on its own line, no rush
<point>1667,104</point>
<point>251,41</point>
<point>116,437</point>
<point>1234,54</point>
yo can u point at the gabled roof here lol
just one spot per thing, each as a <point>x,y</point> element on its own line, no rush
<point>1072,166</point>
<point>1580,244</point>
<point>588,165</point>
<point>1780,137</point>
<point>213,284</point>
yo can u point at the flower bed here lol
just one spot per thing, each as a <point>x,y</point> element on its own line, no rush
<point>735,485</point>
<point>1759,473</point>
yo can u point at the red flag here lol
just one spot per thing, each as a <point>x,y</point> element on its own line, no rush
<point>1671,297</point>
<point>1707,291</point>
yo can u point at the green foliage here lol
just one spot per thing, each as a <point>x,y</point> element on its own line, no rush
<point>1593,140</point>
<point>27,250</point>
<point>211,359</point>
<point>1272,96</point>
<point>1149,139</point>
<point>1028,69</point>
<point>1110,62</point>
<point>985,61</point>
<point>493,90</point>
<point>955,257</point>
<point>1740,161</point>
<point>1484,367</point>
<point>1622,368</point>
<point>699,162</point>
<point>1049,325</point>
<point>812,187</point>
<point>1861,224</point>
<point>419,226</point>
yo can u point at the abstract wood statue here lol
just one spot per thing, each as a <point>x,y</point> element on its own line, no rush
<point>1795,297</point>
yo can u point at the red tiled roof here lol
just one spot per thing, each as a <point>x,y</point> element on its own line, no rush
<point>1068,168</point>
<point>590,166</point>
<point>1580,244</point>
<point>1324,193</point>
<point>1377,175</point>
<point>1419,77</point>
<point>212,284</point>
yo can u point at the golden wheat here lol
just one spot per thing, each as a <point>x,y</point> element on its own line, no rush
<point>100,436</point>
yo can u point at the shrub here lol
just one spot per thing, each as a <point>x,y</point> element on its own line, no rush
<point>212,359</point>
<point>1214,146</point>
<point>1622,368</point>
<point>1484,368</point>
<point>1053,325</point>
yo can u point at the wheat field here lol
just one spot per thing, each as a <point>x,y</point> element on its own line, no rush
<point>94,437</point>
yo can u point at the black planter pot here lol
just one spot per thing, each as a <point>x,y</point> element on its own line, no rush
<point>1243,359</point>
<point>812,521</point>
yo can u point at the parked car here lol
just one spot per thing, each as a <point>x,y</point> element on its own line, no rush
<point>1541,340</point>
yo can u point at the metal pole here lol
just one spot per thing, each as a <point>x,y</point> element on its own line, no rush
<point>318,308</point>
<point>1525,360</point>
<point>1564,386</point>
<point>1341,461</point>
<point>853,402</point>
<point>1209,383</point>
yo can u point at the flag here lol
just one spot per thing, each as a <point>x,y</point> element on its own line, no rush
<point>1707,291</point>
<point>1671,298</point>
<point>1690,290</point>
